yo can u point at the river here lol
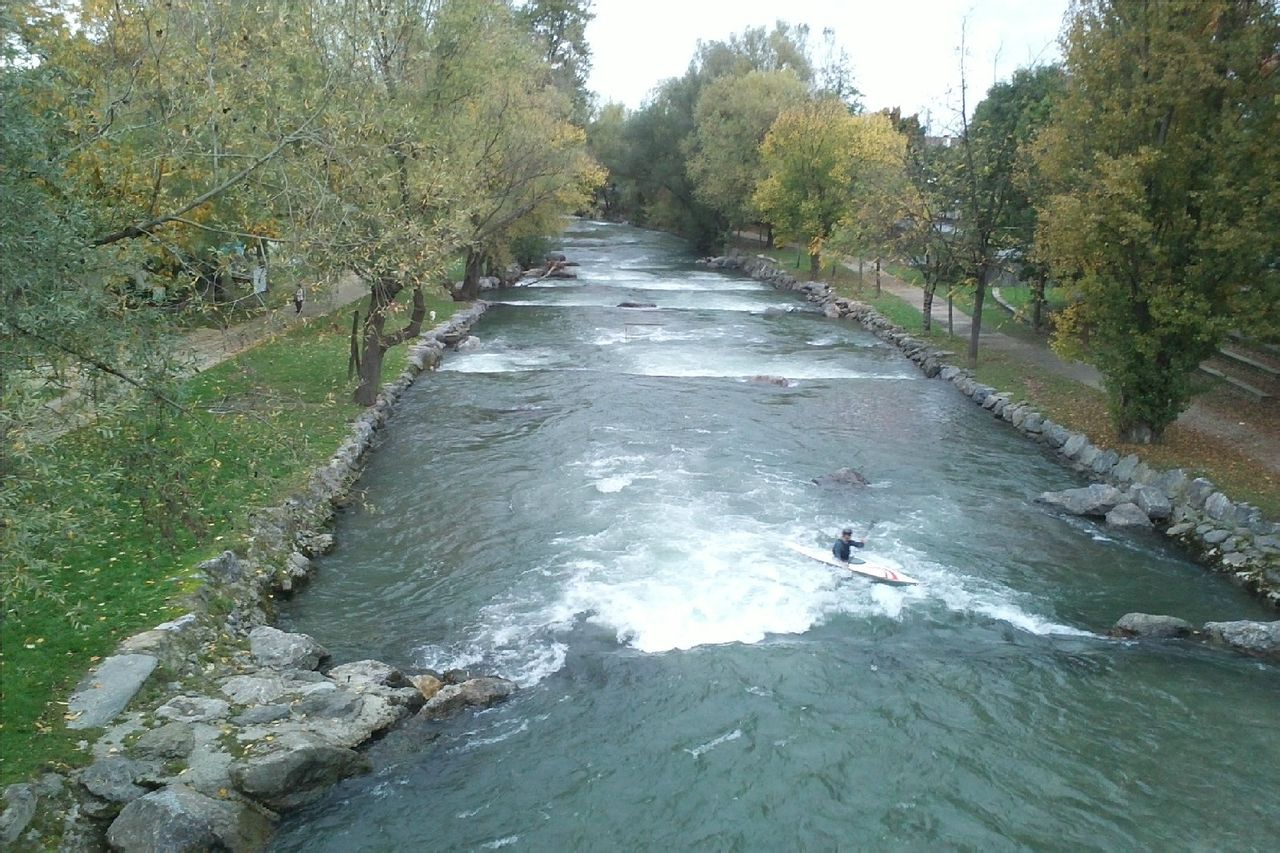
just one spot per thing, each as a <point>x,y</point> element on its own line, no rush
<point>594,501</point>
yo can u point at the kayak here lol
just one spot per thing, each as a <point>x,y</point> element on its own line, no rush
<point>881,574</point>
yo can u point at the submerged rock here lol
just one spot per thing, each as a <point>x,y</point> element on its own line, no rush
<point>763,379</point>
<point>1149,625</point>
<point>842,477</point>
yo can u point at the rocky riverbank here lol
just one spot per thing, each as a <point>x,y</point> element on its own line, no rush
<point>211,726</point>
<point>1227,536</point>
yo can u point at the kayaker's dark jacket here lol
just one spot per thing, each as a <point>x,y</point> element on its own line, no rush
<point>840,550</point>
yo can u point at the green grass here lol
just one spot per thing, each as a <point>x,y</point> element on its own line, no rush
<point>258,424</point>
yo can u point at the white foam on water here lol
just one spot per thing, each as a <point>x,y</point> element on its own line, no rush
<point>500,842</point>
<point>696,588</point>
<point>699,750</point>
<point>509,361</point>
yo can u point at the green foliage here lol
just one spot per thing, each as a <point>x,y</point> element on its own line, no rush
<point>733,115</point>
<point>1163,167</point>
<point>816,159</point>
<point>255,426</point>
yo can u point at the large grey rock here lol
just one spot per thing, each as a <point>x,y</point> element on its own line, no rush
<point>253,689</point>
<point>473,693</point>
<point>172,740</point>
<point>295,770</point>
<point>1096,499</point>
<point>1173,482</point>
<point>280,650</point>
<point>1127,515</point>
<point>1104,462</point>
<point>1149,625</point>
<point>193,709</point>
<point>20,803</point>
<point>364,673</point>
<point>1257,638</point>
<point>226,568</point>
<point>1199,491</point>
<point>1219,507</point>
<point>107,689</point>
<point>1151,500</point>
<point>113,779</point>
<point>178,819</point>
<point>1073,445</point>
<point>1123,471</point>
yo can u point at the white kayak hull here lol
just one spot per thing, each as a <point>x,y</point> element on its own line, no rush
<point>880,574</point>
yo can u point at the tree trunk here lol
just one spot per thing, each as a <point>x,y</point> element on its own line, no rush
<point>975,326</point>
<point>927,318</point>
<point>877,276</point>
<point>1037,302</point>
<point>815,266</point>
<point>768,239</point>
<point>375,342</point>
<point>471,277</point>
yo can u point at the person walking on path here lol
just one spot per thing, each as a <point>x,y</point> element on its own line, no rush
<point>299,296</point>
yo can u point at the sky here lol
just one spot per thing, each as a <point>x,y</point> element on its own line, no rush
<point>904,53</point>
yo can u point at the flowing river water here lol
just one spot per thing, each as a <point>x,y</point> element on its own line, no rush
<point>594,501</point>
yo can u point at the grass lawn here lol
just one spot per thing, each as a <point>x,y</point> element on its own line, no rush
<point>258,424</point>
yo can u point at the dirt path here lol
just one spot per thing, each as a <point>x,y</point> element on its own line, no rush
<point>208,347</point>
<point>1237,428</point>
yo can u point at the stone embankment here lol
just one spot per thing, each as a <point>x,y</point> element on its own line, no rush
<point>1229,537</point>
<point>237,722</point>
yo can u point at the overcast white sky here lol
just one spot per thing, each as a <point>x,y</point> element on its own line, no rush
<point>904,52</point>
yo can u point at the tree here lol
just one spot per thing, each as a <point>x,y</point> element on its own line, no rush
<point>1017,110</point>
<point>395,202</point>
<point>179,119</point>
<point>1163,167</point>
<point>733,115</point>
<point>531,168</point>
<point>651,167</point>
<point>815,158</point>
<point>560,28</point>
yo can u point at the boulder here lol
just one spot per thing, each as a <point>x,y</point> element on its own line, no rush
<point>474,693</point>
<point>177,819</point>
<point>193,709</point>
<point>637,305</point>
<point>1096,499</point>
<point>107,689</point>
<point>367,672</point>
<point>1153,501</point>
<point>762,379</point>
<point>280,650</point>
<point>296,769</point>
<point>19,808</point>
<point>842,477</point>
<point>113,779</point>
<point>1149,625</point>
<point>1255,638</point>
<point>170,741</point>
<point>428,685</point>
<point>1127,515</point>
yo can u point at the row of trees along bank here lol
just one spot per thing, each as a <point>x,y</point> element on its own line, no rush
<point>1139,175</point>
<point>145,144</point>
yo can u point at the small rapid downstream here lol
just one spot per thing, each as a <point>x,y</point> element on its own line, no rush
<point>594,501</point>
